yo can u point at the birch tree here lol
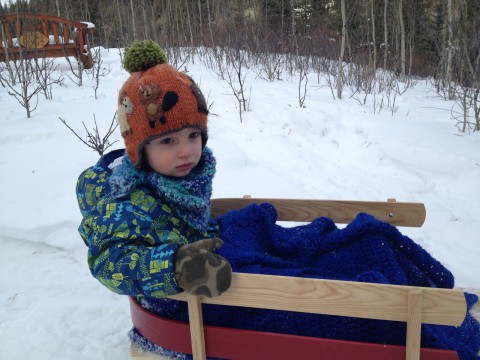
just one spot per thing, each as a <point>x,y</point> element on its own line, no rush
<point>374,42</point>
<point>385,34</point>
<point>134,26</point>
<point>449,50</point>
<point>342,50</point>
<point>402,37</point>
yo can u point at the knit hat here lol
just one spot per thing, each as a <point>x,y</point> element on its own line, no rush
<point>156,99</point>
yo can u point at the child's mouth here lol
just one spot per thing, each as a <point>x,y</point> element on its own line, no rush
<point>185,167</point>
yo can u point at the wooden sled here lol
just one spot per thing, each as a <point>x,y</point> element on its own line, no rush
<point>413,305</point>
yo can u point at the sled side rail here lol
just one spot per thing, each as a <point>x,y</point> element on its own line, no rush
<point>340,211</point>
<point>413,305</point>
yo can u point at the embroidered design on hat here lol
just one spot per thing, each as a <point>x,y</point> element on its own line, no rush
<point>124,109</point>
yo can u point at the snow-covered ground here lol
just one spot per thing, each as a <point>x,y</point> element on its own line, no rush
<point>51,307</point>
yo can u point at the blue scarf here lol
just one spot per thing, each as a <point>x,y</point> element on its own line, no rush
<point>189,196</point>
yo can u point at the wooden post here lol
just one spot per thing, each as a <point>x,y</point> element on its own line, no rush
<point>196,327</point>
<point>414,324</point>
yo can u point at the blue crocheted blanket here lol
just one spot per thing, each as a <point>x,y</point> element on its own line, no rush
<point>366,250</point>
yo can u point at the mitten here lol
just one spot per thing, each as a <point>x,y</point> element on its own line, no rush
<point>199,271</point>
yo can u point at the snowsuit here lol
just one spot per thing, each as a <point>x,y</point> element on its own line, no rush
<point>134,221</point>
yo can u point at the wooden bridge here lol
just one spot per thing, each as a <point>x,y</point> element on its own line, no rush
<point>26,36</point>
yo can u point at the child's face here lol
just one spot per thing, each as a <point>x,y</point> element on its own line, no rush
<point>175,154</point>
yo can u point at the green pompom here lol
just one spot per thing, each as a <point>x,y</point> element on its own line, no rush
<point>143,55</point>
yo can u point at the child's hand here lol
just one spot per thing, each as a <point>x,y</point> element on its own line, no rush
<point>199,271</point>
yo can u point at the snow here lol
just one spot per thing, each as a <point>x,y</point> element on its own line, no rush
<point>90,25</point>
<point>51,307</point>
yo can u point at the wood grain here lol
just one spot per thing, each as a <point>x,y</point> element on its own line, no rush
<point>196,326</point>
<point>414,324</point>
<point>343,298</point>
<point>340,211</point>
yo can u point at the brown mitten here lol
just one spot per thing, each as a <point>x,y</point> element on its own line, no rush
<point>199,271</point>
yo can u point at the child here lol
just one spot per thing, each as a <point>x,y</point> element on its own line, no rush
<point>146,222</point>
<point>141,223</point>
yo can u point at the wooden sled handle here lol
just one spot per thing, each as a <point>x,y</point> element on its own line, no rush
<point>340,211</point>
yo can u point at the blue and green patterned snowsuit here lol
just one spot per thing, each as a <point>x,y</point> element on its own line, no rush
<point>134,221</point>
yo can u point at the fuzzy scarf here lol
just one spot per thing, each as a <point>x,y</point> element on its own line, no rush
<point>189,195</point>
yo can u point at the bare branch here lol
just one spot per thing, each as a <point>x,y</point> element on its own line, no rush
<point>93,139</point>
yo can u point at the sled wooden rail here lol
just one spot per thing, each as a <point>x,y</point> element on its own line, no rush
<point>24,36</point>
<point>412,305</point>
<point>340,211</point>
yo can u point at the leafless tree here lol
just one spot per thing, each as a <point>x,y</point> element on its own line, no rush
<point>302,84</point>
<point>374,40</point>
<point>449,49</point>
<point>342,50</point>
<point>236,70</point>
<point>386,48</point>
<point>402,38</point>
<point>98,70</point>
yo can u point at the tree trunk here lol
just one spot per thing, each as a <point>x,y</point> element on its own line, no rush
<point>209,16</point>
<point>134,26</point>
<point>146,34</point>
<point>374,42</point>
<point>449,50</point>
<point>402,37</point>
<point>120,22</point>
<point>200,20</point>
<point>342,50</point>
<point>189,21</point>
<point>294,35</point>
<point>385,33</point>
<point>411,39</point>
<point>58,7</point>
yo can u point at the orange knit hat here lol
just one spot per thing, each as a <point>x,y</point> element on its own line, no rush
<point>156,99</point>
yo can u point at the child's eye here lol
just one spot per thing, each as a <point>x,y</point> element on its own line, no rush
<point>166,141</point>
<point>194,135</point>
<point>161,141</point>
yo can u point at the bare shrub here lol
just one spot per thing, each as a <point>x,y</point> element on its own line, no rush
<point>98,70</point>
<point>28,88</point>
<point>44,71</point>
<point>236,74</point>
<point>93,139</point>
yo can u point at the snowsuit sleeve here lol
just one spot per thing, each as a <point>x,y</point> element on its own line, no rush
<point>128,256</point>
<point>131,241</point>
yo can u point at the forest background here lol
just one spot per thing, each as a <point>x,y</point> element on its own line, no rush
<point>423,38</point>
<point>412,38</point>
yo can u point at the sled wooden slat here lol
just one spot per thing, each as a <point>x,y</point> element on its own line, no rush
<point>340,211</point>
<point>196,326</point>
<point>414,324</point>
<point>343,298</point>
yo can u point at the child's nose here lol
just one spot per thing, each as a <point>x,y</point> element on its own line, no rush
<point>185,149</point>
